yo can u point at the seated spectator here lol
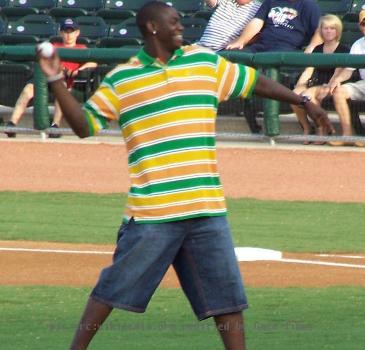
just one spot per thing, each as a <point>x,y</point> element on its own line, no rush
<point>69,32</point>
<point>227,21</point>
<point>350,91</point>
<point>314,81</point>
<point>281,25</point>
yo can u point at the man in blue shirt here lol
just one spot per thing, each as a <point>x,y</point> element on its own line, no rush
<point>281,25</point>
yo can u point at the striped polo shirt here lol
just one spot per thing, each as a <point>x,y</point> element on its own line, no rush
<point>227,23</point>
<point>167,115</point>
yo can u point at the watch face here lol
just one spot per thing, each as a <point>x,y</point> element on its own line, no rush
<point>305,99</point>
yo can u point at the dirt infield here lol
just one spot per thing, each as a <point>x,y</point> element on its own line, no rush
<point>80,264</point>
<point>298,174</point>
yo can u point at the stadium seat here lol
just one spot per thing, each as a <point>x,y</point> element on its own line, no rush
<point>357,5</point>
<point>126,33</point>
<point>131,6</point>
<point>351,22</point>
<point>337,7</point>
<point>193,28</point>
<point>13,77</point>
<point>2,26</point>
<point>186,7</point>
<point>203,14</point>
<point>85,84</point>
<point>30,29</point>
<point>3,3</point>
<point>41,5</point>
<point>114,12</point>
<point>349,37</point>
<point>16,9</point>
<point>75,8</point>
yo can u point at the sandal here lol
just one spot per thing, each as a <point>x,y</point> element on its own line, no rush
<point>319,133</point>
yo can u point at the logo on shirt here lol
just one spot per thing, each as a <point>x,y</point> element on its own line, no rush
<point>282,16</point>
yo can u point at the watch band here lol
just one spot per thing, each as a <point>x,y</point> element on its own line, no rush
<point>304,99</point>
<point>56,77</point>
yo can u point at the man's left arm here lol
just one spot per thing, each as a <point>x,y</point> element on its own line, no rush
<point>311,16</point>
<point>88,65</point>
<point>268,88</point>
<point>83,67</point>
<point>315,41</point>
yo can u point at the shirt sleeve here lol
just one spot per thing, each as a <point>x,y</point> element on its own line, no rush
<point>264,9</point>
<point>102,107</point>
<point>311,16</point>
<point>235,80</point>
<point>355,48</point>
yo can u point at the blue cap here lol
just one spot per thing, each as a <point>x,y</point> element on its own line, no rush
<point>69,23</point>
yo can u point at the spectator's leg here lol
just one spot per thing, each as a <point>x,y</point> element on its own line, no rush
<point>301,115</point>
<point>357,125</point>
<point>317,94</point>
<point>340,97</point>
<point>21,104</point>
<point>230,327</point>
<point>57,117</point>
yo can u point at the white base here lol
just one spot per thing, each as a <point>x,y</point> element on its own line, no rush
<point>254,254</point>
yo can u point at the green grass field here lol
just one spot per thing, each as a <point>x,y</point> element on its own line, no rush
<point>93,218</point>
<point>40,318</point>
<point>303,319</point>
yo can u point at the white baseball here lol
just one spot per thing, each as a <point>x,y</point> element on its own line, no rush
<point>46,49</point>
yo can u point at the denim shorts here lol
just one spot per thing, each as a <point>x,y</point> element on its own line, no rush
<point>201,252</point>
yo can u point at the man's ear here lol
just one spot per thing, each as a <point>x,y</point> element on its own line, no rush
<point>77,32</point>
<point>151,27</point>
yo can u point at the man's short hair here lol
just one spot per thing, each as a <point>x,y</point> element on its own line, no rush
<point>149,12</point>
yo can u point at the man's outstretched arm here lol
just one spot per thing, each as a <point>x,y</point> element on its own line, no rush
<point>269,88</point>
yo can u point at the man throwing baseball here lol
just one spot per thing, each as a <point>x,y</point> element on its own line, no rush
<point>165,99</point>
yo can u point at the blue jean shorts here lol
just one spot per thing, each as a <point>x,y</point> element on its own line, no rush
<point>201,252</point>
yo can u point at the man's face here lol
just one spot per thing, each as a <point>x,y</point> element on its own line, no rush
<point>169,29</point>
<point>69,36</point>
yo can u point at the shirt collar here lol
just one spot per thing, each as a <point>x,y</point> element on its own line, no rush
<point>147,60</point>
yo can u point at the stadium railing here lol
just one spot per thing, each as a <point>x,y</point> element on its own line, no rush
<point>271,62</point>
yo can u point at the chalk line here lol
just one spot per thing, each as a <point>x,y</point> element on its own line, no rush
<point>278,258</point>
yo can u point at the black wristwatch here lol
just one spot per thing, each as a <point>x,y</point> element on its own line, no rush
<point>303,100</point>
